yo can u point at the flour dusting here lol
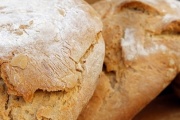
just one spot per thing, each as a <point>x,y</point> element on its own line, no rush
<point>133,47</point>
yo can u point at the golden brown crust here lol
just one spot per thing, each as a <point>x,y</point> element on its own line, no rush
<point>55,105</point>
<point>49,56</point>
<point>53,64</point>
<point>3,100</point>
<point>142,56</point>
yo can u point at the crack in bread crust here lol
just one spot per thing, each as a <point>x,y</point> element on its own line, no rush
<point>62,74</point>
<point>47,55</point>
<point>51,104</point>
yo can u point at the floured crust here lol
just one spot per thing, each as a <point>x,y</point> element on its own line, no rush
<point>142,56</point>
<point>65,105</point>
<point>51,74</point>
<point>46,41</point>
<point>56,105</point>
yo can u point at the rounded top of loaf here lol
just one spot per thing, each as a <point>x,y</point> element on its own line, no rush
<point>44,43</point>
<point>27,22</point>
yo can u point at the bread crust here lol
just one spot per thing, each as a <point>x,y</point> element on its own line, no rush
<point>51,56</point>
<point>45,43</point>
<point>142,56</point>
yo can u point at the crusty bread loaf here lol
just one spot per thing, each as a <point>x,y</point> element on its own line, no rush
<point>52,53</point>
<point>142,56</point>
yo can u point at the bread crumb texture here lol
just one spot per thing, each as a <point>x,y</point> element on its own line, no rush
<point>52,53</point>
<point>142,56</point>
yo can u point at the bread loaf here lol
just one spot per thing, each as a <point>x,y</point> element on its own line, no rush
<point>142,56</point>
<point>52,53</point>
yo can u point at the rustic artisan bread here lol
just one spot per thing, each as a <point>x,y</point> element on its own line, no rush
<point>142,56</point>
<point>51,56</point>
